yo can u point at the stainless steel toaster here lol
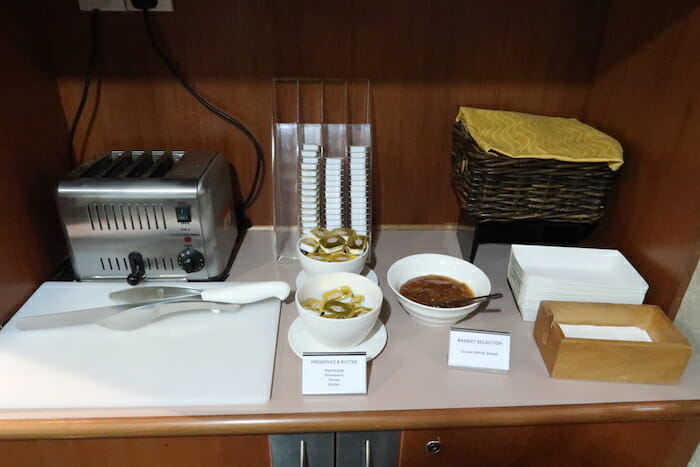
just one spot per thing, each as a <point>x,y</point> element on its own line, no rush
<point>149,215</point>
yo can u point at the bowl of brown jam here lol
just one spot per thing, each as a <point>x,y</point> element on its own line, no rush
<point>428,286</point>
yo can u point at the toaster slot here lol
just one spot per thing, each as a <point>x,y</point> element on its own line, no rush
<point>117,166</point>
<point>96,168</point>
<point>107,166</point>
<point>161,165</point>
<point>139,164</point>
<point>130,164</point>
<point>146,164</point>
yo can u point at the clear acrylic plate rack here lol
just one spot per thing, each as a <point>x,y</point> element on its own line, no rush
<point>322,170</point>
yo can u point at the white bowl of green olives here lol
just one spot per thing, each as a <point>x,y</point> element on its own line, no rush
<point>340,309</point>
<point>339,250</point>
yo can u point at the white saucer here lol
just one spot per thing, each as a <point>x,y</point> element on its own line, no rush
<point>367,272</point>
<point>301,341</point>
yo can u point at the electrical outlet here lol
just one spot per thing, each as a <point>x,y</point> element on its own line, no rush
<point>102,5</point>
<point>163,6</point>
<point>122,5</point>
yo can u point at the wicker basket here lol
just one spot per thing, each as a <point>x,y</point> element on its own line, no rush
<point>495,187</point>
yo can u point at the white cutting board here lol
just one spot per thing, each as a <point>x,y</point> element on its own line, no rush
<point>196,359</point>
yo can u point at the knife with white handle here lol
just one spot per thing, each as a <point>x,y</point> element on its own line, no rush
<point>247,293</point>
<point>241,293</point>
<point>150,308</point>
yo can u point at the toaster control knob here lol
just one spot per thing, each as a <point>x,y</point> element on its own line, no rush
<point>190,260</point>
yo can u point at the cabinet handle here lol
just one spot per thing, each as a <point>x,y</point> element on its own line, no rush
<point>367,453</point>
<point>434,446</point>
<point>302,453</point>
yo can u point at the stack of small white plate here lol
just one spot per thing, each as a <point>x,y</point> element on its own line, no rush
<point>334,193</point>
<point>537,273</point>
<point>359,189</point>
<point>309,214</point>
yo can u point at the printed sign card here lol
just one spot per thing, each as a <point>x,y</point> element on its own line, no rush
<point>334,373</point>
<point>482,350</point>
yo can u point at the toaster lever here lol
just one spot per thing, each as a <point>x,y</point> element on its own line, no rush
<point>138,269</point>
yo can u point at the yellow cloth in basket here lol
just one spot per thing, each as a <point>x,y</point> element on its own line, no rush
<point>518,135</point>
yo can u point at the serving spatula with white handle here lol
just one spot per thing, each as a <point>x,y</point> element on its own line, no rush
<point>139,316</point>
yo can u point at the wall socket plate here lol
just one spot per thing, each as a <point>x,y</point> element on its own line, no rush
<point>102,5</point>
<point>122,5</point>
<point>163,6</point>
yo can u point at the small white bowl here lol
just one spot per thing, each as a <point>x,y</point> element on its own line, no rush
<point>339,333</point>
<point>458,269</point>
<point>313,267</point>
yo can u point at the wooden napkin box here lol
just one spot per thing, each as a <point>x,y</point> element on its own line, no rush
<point>661,361</point>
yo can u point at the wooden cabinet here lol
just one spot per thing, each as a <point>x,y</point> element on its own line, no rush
<point>639,444</point>
<point>339,449</point>
<point>629,68</point>
<point>209,451</point>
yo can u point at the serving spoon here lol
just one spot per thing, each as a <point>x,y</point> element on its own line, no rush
<point>460,302</point>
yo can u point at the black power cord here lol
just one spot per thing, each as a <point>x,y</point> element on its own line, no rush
<point>145,6</point>
<point>87,81</point>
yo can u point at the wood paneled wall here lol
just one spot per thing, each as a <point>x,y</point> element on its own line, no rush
<point>33,139</point>
<point>622,66</point>
<point>646,93</point>
<point>424,58</point>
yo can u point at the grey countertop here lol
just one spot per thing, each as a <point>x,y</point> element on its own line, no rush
<point>411,373</point>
